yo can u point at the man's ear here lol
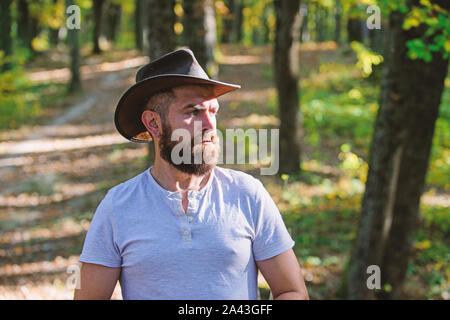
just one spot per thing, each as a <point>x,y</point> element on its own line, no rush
<point>152,121</point>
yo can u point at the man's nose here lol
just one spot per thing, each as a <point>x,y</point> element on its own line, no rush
<point>208,120</point>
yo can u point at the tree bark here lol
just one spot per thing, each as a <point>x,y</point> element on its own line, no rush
<point>399,156</point>
<point>266,27</point>
<point>112,19</point>
<point>200,32</point>
<point>236,32</point>
<point>304,31</point>
<point>354,27</point>
<point>98,13</point>
<point>286,78</point>
<point>337,20</point>
<point>23,18</point>
<point>138,25</point>
<point>319,22</point>
<point>6,42</point>
<point>53,34</point>
<point>161,39</point>
<point>75,58</point>
<point>161,36</point>
<point>227,22</point>
<point>27,25</point>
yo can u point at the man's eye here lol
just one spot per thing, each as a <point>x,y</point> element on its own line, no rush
<point>193,112</point>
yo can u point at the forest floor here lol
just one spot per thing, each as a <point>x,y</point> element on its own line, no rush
<point>55,171</point>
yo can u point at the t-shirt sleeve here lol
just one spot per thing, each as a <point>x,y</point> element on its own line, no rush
<point>271,235</point>
<point>100,244</point>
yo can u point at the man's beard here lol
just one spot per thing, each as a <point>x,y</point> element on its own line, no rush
<point>208,153</point>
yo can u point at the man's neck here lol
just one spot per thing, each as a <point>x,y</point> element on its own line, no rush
<point>173,179</point>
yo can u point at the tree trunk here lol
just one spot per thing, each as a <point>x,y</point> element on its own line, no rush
<point>354,26</point>
<point>304,31</point>
<point>327,34</point>
<point>6,42</point>
<point>286,78</point>
<point>112,18</point>
<point>98,13</point>
<point>34,30</point>
<point>27,25</point>
<point>377,39</point>
<point>337,21</point>
<point>73,40</point>
<point>53,34</point>
<point>399,156</point>
<point>161,39</point>
<point>138,25</point>
<point>200,32</point>
<point>319,22</point>
<point>266,27</point>
<point>236,32</point>
<point>23,25</point>
<point>227,22</point>
<point>161,36</point>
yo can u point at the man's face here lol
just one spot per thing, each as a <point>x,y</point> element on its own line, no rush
<point>191,111</point>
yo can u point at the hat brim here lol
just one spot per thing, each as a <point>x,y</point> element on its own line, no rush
<point>127,117</point>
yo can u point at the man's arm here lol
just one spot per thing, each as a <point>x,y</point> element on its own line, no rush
<point>97,282</point>
<point>284,276</point>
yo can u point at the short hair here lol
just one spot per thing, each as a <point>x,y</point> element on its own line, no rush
<point>160,102</point>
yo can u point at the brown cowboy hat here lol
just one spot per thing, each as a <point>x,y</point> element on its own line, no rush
<point>171,70</point>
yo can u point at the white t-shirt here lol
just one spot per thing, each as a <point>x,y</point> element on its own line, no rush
<point>207,253</point>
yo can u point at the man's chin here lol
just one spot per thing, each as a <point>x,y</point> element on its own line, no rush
<point>204,158</point>
<point>194,169</point>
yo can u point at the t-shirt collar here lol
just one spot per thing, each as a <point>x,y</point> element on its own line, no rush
<point>176,194</point>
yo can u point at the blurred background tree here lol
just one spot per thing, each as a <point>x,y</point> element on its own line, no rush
<point>286,65</point>
<point>98,19</point>
<point>400,149</point>
<point>199,32</point>
<point>6,42</point>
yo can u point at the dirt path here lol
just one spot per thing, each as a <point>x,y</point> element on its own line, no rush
<point>53,177</point>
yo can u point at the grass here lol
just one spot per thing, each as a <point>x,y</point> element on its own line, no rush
<point>27,104</point>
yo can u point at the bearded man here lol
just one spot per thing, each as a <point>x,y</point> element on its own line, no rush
<point>185,228</point>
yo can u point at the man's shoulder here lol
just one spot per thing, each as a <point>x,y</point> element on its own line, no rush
<point>128,186</point>
<point>237,180</point>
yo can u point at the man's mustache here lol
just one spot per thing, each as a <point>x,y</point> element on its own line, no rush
<point>210,135</point>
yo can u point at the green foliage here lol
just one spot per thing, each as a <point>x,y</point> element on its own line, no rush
<point>13,85</point>
<point>255,15</point>
<point>125,38</point>
<point>339,109</point>
<point>48,12</point>
<point>439,169</point>
<point>437,35</point>
<point>21,101</point>
<point>366,58</point>
<point>431,260</point>
<point>428,15</point>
